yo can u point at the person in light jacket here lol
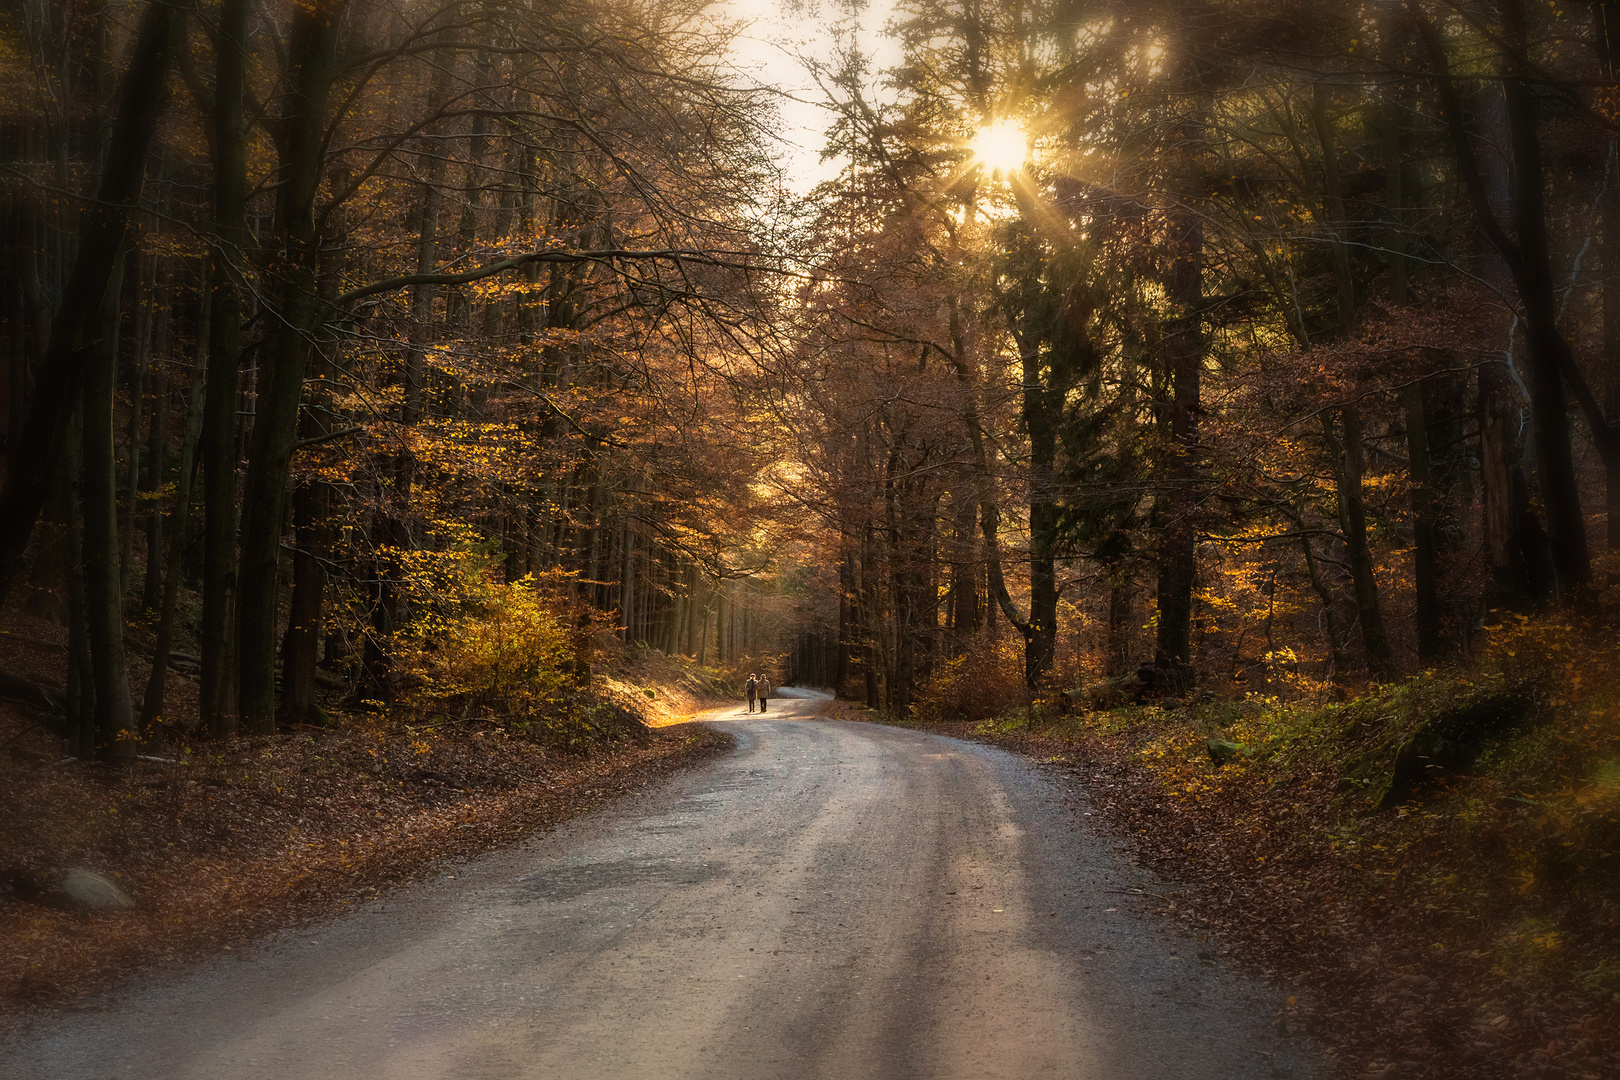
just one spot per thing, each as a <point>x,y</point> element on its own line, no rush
<point>763,690</point>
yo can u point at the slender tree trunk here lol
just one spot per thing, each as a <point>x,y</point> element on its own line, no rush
<point>115,719</point>
<point>1607,27</point>
<point>989,513</point>
<point>1121,604</point>
<point>1611,331</point>
<point>1506,492</point>
<point>1425,500</point>
<point>722,623</point>
<point>152,588</point>
<point>693,609</point>
<point>73,346</point>
<point>217,637</point>
<point>81,692</point>
<point>145,300</point>
<point>180,520</point>
<point>1349,465</point>
<point>1349,456</point>
<point>458,303</point>
<point>313,57</point>
<point>1184,359</point>
<point>1040,419</point>
<point>1182,351</point>
<point>1545,348</point>
<point>901,685</point>
<point>846,622</point>
<point>375,657</point>
<point>300,647</point>
<point>1330,620</point>
<point>1395,125</point>
<point>1425,527</point>
<point>1334,216</point>
<point>871,649</point>
<point>627,586</point>
<point>430,164</point>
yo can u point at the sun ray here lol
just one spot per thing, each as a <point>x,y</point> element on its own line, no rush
<point>1001,146</point>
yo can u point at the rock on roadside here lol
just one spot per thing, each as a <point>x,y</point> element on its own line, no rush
<point>84,890</point>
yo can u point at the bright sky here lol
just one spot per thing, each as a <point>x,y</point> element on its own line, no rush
<point>769,52</point>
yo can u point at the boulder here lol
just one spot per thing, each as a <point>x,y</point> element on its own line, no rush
<point>1126,690</point>
<point>1222,751</point>
<point>1450,741</point>
<point>85,890</point>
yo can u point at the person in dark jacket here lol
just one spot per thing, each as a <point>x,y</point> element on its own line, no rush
<point>751,688</point>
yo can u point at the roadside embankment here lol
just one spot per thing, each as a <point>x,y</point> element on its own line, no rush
<point>221,843</point>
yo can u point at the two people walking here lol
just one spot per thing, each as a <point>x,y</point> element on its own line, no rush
<point>758,687</point>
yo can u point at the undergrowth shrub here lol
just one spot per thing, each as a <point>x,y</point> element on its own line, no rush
<point>986,680</point>
<point>515,653</point>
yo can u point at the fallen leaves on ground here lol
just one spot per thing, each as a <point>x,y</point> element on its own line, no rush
<point>227,843</point>
<point>1387,981</point>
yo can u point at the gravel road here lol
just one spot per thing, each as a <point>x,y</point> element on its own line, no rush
<point>829,900</point>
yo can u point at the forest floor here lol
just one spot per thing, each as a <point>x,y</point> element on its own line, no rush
<point>1473,931</point>
<point>220,844</point>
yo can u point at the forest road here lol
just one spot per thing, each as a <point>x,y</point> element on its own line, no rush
<point>831,899</point>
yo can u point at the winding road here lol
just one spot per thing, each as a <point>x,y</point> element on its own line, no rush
<point>830,899</point>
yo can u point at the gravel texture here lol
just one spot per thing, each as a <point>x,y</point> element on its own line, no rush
<point>827,900</point>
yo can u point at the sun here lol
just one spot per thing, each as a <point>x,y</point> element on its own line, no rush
<point>1001,147</point>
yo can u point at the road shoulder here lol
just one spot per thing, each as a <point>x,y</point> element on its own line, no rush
<point>226,848</point>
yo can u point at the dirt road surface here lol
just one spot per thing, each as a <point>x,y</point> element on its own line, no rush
<point>832,899</point>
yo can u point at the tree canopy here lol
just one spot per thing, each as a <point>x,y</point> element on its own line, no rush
<point>1261,347</point>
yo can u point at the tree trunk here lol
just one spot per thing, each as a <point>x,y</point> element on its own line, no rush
<point>1349,465</point>
<point>1507,495</point>
<point>1425,527</point>
<point>693,610</point>
<point>1184,358</point>
<point>145,300</point>
<point>1041,417</point>
<point>871,652</point>
<point>1330,620</point>
<point>722,623</point>
<point>312,53</point>
<point>1425,499</point>
<point>627,587</point>
<point>375,659</point>
<point>217,696</point>
<point>73,342</point>
<point>1611,335</point>
<point>846,622</point>
<point>115,719</point>
<point>430,164</point>
<point>300,647</point>
<point>180,520</point>
<point>1546,350</point>
<point>152,587</point>
<point>1608,47</point>
<point>81,693</point>
<point>1548,360</point>
<point>1121,598</point>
